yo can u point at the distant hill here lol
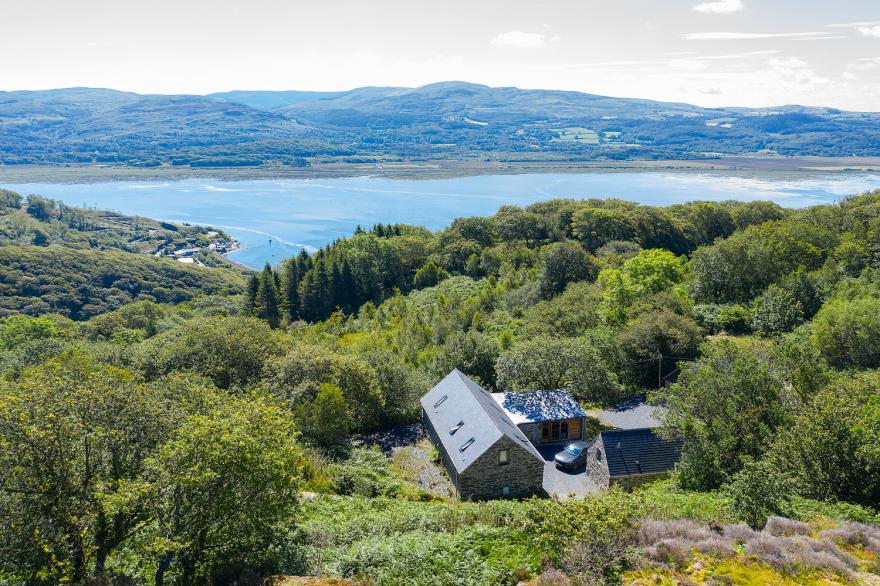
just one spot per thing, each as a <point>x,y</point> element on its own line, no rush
<point>442,120</point>
<point>269,100</point>
<point>108,126</point>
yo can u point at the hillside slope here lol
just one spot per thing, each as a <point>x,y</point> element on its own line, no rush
<point>108,126</point>
<point>36,280</point>
<point>449,120</point>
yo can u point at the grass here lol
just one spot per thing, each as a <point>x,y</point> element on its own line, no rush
<point>742,572</point>
<point>576,134</point>
<point>383,521</point>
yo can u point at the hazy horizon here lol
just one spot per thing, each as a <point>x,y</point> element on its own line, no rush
<point>318,90</point>
<point>709,53</point>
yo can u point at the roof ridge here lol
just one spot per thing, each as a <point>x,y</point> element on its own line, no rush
<point>497,414</point>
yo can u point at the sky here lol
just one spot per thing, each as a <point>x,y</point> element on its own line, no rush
<point>711,53</point>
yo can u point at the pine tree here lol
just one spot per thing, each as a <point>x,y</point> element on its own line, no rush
<point>337,289</point>
<point>349,293</point>
<point>250,300</point>
<point>324,289</point>
<point>267,298</point>
<point>290,290</point>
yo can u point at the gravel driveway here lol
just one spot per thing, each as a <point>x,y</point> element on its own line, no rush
<point>565,483</point>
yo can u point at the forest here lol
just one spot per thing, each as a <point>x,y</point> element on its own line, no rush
<point>441,121</point>
<point>167,425</point>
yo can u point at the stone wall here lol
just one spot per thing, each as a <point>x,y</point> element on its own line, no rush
<point>486,477</point>
<point>432,433</point>
<point>596,467</point>
<point>532,432</point>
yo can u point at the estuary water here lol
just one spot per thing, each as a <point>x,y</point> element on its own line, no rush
<point>274,219</point>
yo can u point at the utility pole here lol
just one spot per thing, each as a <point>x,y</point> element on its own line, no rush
<point>659,370</point>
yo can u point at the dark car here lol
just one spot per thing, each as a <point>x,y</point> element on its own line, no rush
<point>572,456</point>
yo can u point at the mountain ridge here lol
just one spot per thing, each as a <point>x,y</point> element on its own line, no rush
<point>444,120</point>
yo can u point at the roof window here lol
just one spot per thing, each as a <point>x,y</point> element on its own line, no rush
<point>440,401</point>
<point>456,427</point>
<point>466,445</point>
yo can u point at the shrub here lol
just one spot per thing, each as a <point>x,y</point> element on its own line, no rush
<point>365,473</point>
<point>739,533</point>
<point>735,319</point>
<point>716,546</point>
<point>672,552</point>
<point>848,333</point>
<point>779,526</point>
<point>851,533</point>
<point>777,311</point>
<point>552,577</point>
<point>651,531</point>
<point>797,552</point>
<point>601,558</point>
<point>758,492</point>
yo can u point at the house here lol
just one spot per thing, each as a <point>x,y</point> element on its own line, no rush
<point>545,417</point>
<point>486,454</point>
<point>489,441</point>
<point>629,457</point>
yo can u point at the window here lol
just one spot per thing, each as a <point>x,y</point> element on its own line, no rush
<point>440,402</point>
<point>504,457</point>
<point>599,455</point>
<point>456,427</point>
<point>466,445</point>
<point>505,490</point>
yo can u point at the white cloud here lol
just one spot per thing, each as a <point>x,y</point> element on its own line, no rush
<point>523,40</point>
<point>855,24</point>
<point>865,64</point>
<point>795,70</point>
<point>868,28</point>
<point>850,76</point>
<point>735,36</point>
<point>720,7</point>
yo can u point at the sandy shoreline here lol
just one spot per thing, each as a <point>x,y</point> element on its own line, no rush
<point>436,169</point>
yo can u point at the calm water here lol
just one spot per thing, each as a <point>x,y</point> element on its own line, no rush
<point>274,219</point>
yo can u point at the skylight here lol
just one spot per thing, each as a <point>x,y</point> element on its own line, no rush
<point>440,401</point>
<point>456,427</point>
<point>466,445</point>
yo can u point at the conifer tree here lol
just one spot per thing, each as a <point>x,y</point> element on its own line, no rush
<point>290,290</point>
<point>250,300</point>
<point>337,289</point>
<point>349,300</point>
<point>267,298</point>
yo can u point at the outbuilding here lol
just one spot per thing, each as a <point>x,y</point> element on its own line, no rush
<point>545,417</point>
<point>629,457</point>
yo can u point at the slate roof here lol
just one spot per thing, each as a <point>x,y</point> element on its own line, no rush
<point>464,415</point>
<point>537,406</point>
<point>638,451</point>
<point>634,413</point>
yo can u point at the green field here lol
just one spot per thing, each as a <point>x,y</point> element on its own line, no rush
<point>577,134</point>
